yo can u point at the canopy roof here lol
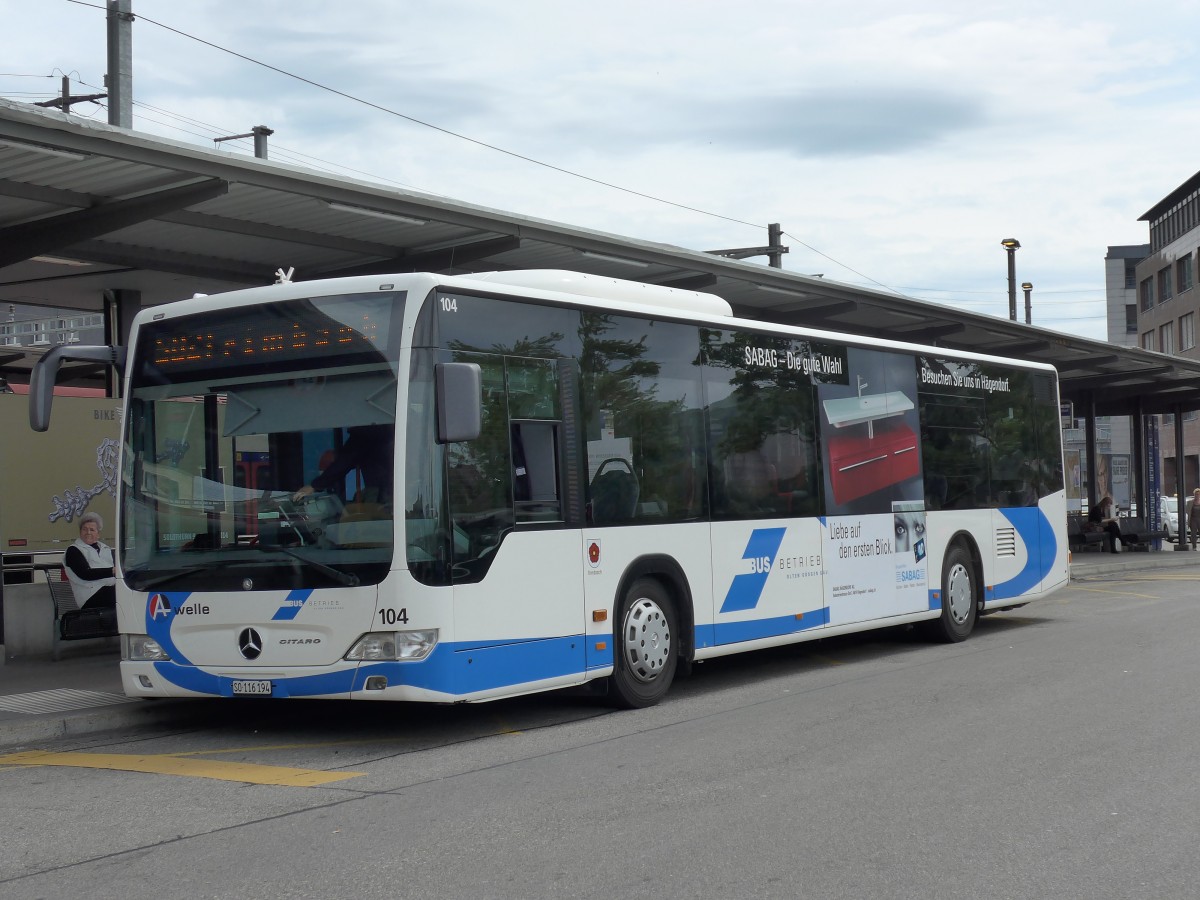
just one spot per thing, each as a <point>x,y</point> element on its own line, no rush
<point>87,208</point>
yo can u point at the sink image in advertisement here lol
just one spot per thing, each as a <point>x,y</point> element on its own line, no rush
<point>856,410</point>
<point>861,464</point>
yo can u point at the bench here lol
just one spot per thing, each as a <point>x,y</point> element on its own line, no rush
<point>1134,532</point>
<point>72,623</point>
<point>1079,538</point>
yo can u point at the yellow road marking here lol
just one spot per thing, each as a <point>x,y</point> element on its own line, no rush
<point>1165,576</point>
<point>308,745</point>
<point>504,727</point>
<point>248,773</point>
<point>829,660</point>
<point>311,745</point>
<point>1115,593</point>
<point>1138,576</point>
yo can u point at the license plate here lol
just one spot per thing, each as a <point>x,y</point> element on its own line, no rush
<point>253,688</point>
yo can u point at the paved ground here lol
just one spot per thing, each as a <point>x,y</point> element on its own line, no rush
<point>41,699</point>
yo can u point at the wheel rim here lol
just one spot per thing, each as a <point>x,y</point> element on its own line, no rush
<point>958,592</point>
<point>647,645</point>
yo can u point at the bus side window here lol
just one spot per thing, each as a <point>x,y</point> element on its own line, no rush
<point>535,471</point>
<point>614,491</point>
<point>751,481</point>
<point>794,460</point>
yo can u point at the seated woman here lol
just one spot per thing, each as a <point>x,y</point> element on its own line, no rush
<point>89,566</point>
<point>1101,517</point>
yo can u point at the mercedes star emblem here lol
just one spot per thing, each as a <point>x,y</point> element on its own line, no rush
<point>250,643</point>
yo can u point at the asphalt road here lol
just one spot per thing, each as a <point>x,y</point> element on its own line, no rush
<point>1051,755</point>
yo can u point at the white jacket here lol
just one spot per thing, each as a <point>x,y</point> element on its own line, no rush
<point>101,558</point>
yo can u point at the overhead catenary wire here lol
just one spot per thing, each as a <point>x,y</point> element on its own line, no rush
<point>284,153</point>
<point>278,151</point>
<point>486,145</point>
<point>392,112</point>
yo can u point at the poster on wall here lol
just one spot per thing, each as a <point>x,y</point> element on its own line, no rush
<point>49,479</point>
<point>1103,479</point>
<point>1119,473</point>
<point>1153,460</point>
<point>1074,480</point>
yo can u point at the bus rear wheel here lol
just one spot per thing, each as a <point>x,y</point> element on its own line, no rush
<point>960,598</point>
<point>645,651</point>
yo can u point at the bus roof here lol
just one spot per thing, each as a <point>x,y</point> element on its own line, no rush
<point>606,288</point>
<point>559,285</point>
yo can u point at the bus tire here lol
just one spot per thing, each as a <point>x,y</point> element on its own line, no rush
<point>960,598</point>
<point>645,646</point>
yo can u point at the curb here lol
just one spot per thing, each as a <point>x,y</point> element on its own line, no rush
<point>15,733</point>
<point>1121,562</point>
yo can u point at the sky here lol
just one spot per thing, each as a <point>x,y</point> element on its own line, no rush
<point>897,145</point>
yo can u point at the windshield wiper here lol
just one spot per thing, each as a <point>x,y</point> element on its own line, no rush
<point>349,579</point>
<point>164,579</point>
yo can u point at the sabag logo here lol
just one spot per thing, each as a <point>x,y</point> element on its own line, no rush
<point>760,550</point>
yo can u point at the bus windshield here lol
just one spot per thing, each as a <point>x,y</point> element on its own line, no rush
<point>259,446</point>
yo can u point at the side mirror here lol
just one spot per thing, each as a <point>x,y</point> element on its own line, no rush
<point>45,372</point>
<point>459,389</point>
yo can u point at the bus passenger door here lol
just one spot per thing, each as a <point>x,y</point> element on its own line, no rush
<point>516,569</point>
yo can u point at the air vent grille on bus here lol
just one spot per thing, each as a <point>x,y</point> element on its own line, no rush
<point>1006,542</point>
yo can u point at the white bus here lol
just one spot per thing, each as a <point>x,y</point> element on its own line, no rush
<point>432,488</point>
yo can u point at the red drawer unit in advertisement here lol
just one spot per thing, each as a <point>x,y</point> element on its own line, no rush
<point>861,464</point>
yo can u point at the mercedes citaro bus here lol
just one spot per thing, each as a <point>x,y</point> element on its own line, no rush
<point>571,479</point>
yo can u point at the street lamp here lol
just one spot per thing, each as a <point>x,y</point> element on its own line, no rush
<point>1012,245</point>
<point>1027,287</point>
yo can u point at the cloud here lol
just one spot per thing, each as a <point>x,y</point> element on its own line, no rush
<point>902,143</point>
<point>847,123</point>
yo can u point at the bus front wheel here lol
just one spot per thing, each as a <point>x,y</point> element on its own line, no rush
<point>960,598</point>
<point>645,646</point>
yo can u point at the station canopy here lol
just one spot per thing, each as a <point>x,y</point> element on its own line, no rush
<point>87,208</point>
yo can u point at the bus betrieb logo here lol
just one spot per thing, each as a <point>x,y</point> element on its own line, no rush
<point>160,606</point>
<point>746,588</point>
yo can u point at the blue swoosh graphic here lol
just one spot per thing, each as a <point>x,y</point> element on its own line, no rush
<point>292,604</point>
<point>450,668</point>
<point>1041,548</point>
<point>756,629</point>
<point>746,589</point>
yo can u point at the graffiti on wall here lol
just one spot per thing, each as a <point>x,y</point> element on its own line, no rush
<point>74,501</point>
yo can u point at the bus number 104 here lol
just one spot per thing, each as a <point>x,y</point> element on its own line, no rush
<point>394,616</point>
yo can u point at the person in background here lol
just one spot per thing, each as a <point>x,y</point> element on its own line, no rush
<point>1193,522</point>
<point>89,565</point>
<point>1101,517</point>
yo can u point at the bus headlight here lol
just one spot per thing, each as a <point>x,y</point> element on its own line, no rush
<point>142,648</point>
<point>394,645</point>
